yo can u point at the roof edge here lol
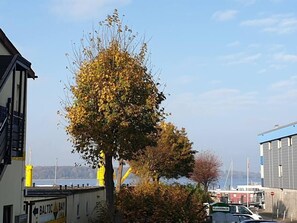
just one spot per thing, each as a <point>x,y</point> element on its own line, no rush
<point>278,133</point>
<point>278,127</point>
<point>8,44</point>
<point>13,50</point>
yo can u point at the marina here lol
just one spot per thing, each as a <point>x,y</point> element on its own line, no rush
<point>248,195</point>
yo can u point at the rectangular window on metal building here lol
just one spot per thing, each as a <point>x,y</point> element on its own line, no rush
<point>290,141</point>
<point>280,170</point>
<point>279,143</point>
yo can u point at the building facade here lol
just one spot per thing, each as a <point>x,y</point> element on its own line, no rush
<point>278,155</point>
<point>15,70</point>
<point>278,152</point>
<point>64,204</point>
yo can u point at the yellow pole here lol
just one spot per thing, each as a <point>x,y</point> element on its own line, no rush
<point>126,175</point>
<point>101,172</point>
<point>100,176</point>
<point>29,176</point>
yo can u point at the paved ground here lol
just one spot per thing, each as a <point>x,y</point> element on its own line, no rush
<point>269,216</point>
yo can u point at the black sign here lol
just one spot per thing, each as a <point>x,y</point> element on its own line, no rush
<point>35,211</point>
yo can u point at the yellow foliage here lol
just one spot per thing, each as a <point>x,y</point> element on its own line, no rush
<point>116,102</point>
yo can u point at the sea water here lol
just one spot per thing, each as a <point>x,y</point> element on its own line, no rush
<point>220,184</point>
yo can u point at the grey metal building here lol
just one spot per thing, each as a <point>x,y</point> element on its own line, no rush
<point>278,151</point>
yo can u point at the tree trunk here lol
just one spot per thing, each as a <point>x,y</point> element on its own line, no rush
<point>119,175</point>
<point>109,186</point>
<point>205,185</point>
<point>158,179</point>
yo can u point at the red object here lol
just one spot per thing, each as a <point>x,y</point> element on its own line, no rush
<point>272,193</point>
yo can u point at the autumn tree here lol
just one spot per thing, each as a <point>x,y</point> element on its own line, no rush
<point>172,157</point>
<point>114,103</point>
<point>206,169</point>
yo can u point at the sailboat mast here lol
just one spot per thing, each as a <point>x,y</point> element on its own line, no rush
<point>231,175</point>
<point>247,181</point>
<point>230,171</point>
<point>55,182</point>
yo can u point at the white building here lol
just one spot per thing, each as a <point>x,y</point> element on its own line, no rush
<point>64,204</point>
<point>17,203</point>
<point>14,73</point>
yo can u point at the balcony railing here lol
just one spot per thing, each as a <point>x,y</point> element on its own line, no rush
<point>11,136</point>
<point>3,138</point>
<point>5,156</point>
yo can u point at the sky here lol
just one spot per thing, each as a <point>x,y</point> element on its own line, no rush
<point>229,67</point>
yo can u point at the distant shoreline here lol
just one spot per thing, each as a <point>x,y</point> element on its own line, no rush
<point>84,172</point>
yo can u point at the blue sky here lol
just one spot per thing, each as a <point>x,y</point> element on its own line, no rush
<point>228,65</point>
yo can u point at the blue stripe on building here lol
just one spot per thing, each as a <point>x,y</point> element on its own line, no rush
<point>261,160</point>
<point>278,133</point>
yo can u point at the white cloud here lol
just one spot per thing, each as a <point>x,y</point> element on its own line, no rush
<point>280,24</point>
<point>285,57</point>
<point>276,47</point>
<point>283,91</point>
<point>214,102</point>
<point>215,82</point>
<point>224,15</point>
<point>286,97</point>
<point>240,58</point>
<point>247,2</point>
<point>233,44</point>
<point>262,71</point>
<point>186,79</point>
<point>288,84</point>
<point>81,9</point>
<point>276,66</point>
<point>251,2</point>
<point>254,46</point>
<point>229,96</point>
<point>259,22</point>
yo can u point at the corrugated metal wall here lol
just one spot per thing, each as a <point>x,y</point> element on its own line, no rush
<point>279,156</point>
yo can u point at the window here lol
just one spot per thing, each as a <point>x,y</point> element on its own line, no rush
<point>244,210</point>
<point>290,141</point>
<point>280,170</point>
<point>279,143</point>
<point>269,145</point>
<point>16,107</point>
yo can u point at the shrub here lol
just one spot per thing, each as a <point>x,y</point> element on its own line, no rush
<point>153,202</point>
